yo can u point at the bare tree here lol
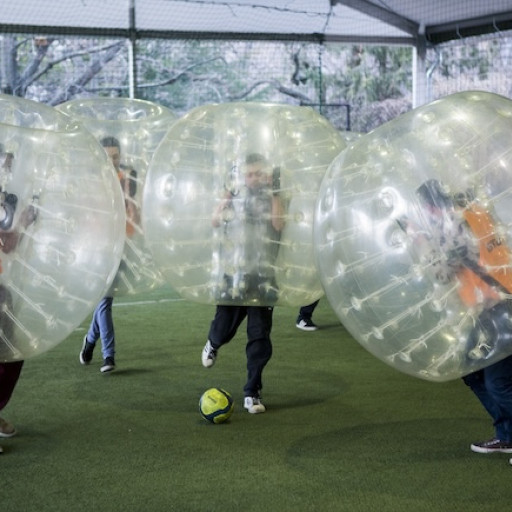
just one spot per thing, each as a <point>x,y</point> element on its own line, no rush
<point>72,89</point>
<point>26,60</point>
<point>182,74</point>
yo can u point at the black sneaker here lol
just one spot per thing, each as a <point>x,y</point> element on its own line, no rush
<point>306,324</point>
<point>86,352</point>
<point>492,446</point>
<point>108,365</point>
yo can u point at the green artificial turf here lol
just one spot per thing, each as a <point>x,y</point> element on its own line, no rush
<point>342,431</point>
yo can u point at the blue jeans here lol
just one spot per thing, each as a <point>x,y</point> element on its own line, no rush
<point>493,387</point>
<point>102,327</point>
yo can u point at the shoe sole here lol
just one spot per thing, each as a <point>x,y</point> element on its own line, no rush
<point>6,436</point>
<point>251,410</point>
<point>478,449</point>
<point>81,357</point>
<point>306,328</point>
<point>106,369</point>
<point>255,409</point>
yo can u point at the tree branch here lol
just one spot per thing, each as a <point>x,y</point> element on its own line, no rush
<point>277,85</point>
<point>181,74</point>
<point>70,56</point>
<point>74,88</point>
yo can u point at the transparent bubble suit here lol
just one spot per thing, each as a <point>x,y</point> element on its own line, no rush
<point>62,249</point>
<point>424,287</point>
<point>139,126</point>
<point>201,167</point>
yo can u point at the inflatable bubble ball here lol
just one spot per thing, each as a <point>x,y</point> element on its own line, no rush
<point>61,226</point>
<point>229,203</point>
<point>349,136</point>
<point>413,231</point>
<point>130,131</point>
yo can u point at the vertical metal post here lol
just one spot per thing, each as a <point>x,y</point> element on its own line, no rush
<point>132,53</point>
<point>320,77</point>
<point>419,72</point>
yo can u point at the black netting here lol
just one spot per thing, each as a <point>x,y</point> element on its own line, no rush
<point>357,86</point>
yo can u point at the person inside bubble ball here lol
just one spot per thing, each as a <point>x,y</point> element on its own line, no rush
<point>260,211</point>
<point>263,217</point>
<point>10,237</point>
<point>479,259</point>
<point>102,324</point>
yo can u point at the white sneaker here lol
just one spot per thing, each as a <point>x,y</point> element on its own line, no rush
<point>253,405</point>
<point>6,429</point>
<point>208,355</point>
<point>306,325</point>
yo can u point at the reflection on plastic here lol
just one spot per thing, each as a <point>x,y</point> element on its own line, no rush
<point>226,230</point>
<point>412,235</point>
<point>139,127</point>
<point>63,244</point>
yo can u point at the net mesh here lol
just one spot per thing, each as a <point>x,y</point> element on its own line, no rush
<point>356,86</point>
<point>476,63</point>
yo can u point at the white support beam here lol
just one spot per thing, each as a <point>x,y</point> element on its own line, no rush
<point>420,86</point>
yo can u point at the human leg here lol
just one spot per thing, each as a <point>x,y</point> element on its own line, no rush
<point>93,334</point>
<point>498,379</point>
<point>476,382</point>
<point>307,311</point>
<point>90,339</point>
<point>9,376</point>
<point>223,328</point>
<point>106,327</point>
<point>305,317</point>
<point>493,387</point>
<point>102,327</point>
<point>258,349</point>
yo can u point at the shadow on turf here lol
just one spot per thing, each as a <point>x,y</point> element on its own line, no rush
<point>123,372</point>
<point>425,440</point>
<point>400,457</point>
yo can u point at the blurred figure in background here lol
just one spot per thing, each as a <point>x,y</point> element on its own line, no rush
<point>10,236</point>
<point>102,324</point>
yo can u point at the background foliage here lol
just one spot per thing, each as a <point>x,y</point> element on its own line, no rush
<point>355,86</point>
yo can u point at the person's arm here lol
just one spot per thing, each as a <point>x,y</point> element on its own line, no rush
<point>278,212</point>
<point>129,184</point>
<point>278,221</point>
<point>218,213</point>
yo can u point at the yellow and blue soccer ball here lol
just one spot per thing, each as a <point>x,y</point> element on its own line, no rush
<point>216,405</point>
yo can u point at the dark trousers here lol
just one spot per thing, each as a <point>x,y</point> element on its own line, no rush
<point>306,312</point>
<point>259,346</point>
<point>493,387</point>
<point>9,375</point>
